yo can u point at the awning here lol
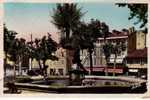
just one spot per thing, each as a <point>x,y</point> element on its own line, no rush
<point>108,69</point>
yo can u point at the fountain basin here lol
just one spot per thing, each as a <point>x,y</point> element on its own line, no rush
<point>102,84</point>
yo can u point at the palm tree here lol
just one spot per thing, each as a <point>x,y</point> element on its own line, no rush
<point>66,18</point>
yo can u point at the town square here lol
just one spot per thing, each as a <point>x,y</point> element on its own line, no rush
<point>75,48</point>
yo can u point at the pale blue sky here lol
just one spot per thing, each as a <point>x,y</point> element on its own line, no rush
<point>35,18</point>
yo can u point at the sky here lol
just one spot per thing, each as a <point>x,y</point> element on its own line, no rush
<point>35,18</point>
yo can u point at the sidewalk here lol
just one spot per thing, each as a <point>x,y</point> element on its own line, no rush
<point>32,92</point>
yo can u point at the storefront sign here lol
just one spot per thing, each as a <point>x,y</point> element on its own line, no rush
<point>104,69</point>
<point>111,70</point>
<point>133,70</point>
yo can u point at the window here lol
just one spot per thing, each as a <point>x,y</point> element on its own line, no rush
<point>143,61</point>
<point>94,60</point>
<point>142,35</point>
<point>123,53</point>
<point>62,61</point>
<point>60,71</point>
<point>52,71</point>
<point>130,61</point>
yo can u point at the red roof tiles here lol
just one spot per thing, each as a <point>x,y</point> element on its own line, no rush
<point>118,33</point>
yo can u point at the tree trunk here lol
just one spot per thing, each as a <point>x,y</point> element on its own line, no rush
<point>44,69</point>
<point>77,59</point>
<point>114,64</point>
<point>68,62</point>
<point>14,68</point>
<point>40,67</point>
<point>5,62</point>
<point>30,63</point>
<point>106,70</point>
<point>20,65</point>
<point>67,35</point>
<point>91,61</point>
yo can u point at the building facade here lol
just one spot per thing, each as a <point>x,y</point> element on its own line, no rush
<point>137,54</point>
<point>137,40</point>
<point>55,68</point>
<point>137,62</point>
<point>99,62</point>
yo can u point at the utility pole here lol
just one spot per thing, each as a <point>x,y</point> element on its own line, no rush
<point>30,59</point>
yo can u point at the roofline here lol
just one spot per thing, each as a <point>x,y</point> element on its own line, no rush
<point>117,37</point>
<point>136,57</point>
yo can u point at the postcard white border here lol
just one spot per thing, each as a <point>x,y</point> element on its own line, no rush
<point>71,95</point>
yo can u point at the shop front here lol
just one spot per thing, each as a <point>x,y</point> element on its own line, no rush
<point>102,70</point>
<point>138,72</point>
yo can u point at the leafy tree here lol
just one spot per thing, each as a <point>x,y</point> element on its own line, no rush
<point>41,50</point>
<point>107,46</point>
<point>30,51</point>
<point>9,38</point>
<point>14,48</point>
<point>17,51</point>
<point>48,47</point>
<point>85,36</point>
<point>89,34</point>
<point>21,52</point>
<point>115,49</point>
<point>138,11</point>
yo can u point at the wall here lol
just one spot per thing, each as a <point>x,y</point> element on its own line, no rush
<point>98,55</point>
<point>55,65</point>
<point>140,43</point>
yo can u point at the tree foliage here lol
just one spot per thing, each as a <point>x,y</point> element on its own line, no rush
<point>78,35</point>
<point>66,18</point>
<point>139,11</point>
<point>115,49</point>
<point>18,49</point>
<point>42,49</point>
<point>9,37</point>
<point>107,48</point>
<point>69,12</point>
